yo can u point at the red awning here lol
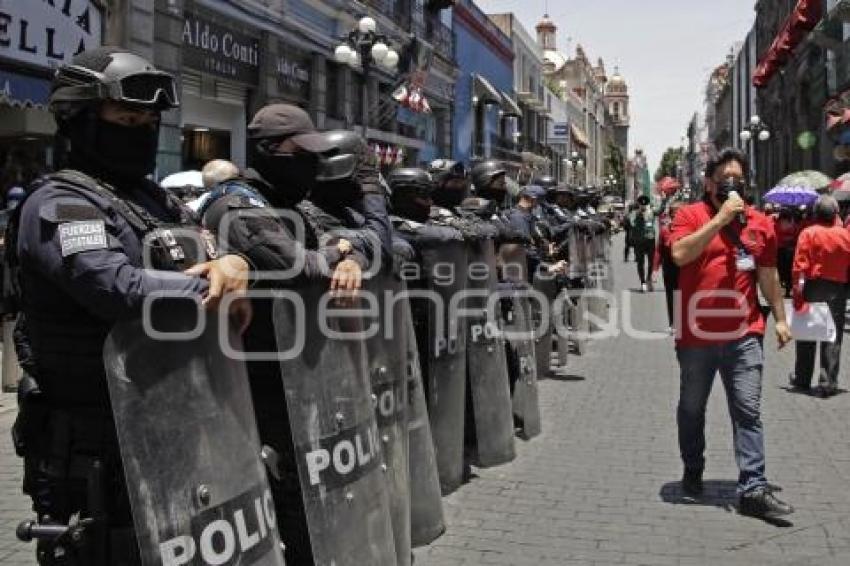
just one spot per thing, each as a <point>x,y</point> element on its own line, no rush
<point>802,20</point>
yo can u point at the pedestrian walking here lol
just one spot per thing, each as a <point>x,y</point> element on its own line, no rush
<point>643,239</point>
<point>820,274</point>
<point>726,250</point>
<point>787,225</point>
<point>669,269</point>
<point>627,228</point>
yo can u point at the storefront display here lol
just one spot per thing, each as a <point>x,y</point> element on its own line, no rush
<point>221,70</point>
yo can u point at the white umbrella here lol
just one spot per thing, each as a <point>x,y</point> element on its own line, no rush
<point>183,179</point>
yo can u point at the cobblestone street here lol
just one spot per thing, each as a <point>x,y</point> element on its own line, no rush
<point>600,485</point>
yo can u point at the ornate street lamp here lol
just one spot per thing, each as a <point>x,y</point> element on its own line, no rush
<point>755,129</point>
<point>365,47</point>
<point>574,163</point>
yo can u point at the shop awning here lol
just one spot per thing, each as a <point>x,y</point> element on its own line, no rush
<point>486,93</point>
<point>23,91</point>
<point>510,106</point>
<point>802,20</point>
<point>578,136</point>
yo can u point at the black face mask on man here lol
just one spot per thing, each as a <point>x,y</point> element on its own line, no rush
<point>728,186</point>
<point>116,151</point>
<point>292,175</point>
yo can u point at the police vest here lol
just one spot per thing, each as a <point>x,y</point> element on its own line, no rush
<point>76,333</point>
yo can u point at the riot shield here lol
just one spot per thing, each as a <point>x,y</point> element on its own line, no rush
<point>522,363</point>
<point>491,438</point>
<point>388,369</point>
<point>546,285</point>
<point>426,505</point>
<point>190,448</point>
<point>339,452</point>
<point>444,368</point>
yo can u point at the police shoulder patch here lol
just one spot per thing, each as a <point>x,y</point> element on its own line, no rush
<point>81,236</point>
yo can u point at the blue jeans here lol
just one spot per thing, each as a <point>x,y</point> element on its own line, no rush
<point>740,365</point>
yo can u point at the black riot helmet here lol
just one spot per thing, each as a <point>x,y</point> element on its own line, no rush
<point>347,151</point>
<point>100,145</point>
<point>412,191</point>
<point>489,179</point>
<point>346,171</point>
<point>545,181</point>
<point>451,182</point>
<point>110,73</point>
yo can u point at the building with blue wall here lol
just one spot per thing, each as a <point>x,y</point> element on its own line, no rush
<point>484,121</point>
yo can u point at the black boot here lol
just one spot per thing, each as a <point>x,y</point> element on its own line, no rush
<point>692,482</point>
<point>762,503</point>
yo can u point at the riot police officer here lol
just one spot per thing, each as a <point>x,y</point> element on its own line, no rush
<point>259,215</point>
<point>78,253</point>
<point>489,179</point>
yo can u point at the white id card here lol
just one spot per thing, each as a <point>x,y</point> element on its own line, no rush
<point>745,262</point>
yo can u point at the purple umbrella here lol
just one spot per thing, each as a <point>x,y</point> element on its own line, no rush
<point>791,196</point>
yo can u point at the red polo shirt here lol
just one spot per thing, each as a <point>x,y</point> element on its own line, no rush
<point>823,252</point>
<point>719,303</point>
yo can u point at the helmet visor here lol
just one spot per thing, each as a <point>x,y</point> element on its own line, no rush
<point>149,89</point>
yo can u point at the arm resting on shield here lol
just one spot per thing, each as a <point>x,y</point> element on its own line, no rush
<point>373,207</point>
<point>257,234</point>
<point>88,260</point>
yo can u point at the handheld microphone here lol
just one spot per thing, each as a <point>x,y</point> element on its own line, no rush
<point>742,218</point>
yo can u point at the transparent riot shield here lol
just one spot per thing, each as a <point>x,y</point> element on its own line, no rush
<point>444,367</point>
<point>546,285</point>
<point>522,363</point>
<point>491,438</point>
<point>189,445</point>
<point>426,505</point>
<point>338,449</point>
<point>388,369</point>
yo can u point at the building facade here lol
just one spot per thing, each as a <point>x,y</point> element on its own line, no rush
<point>35,38</point>
<point>531,94</point>
<point>487,118</point>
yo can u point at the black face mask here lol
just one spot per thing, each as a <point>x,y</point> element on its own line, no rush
<point>727,186</point>
<point>336,194</point>
<point>448,197</point>
<point>115,151</point>
<point>292,175</point>
<point>411,207</point>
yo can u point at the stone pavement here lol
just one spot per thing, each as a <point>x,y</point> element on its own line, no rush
<point>14,507</point>
<point>600,485</point>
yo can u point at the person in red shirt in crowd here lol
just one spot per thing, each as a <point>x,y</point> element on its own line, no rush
<point>820,274</point>
<point>787,226</point>
<point>725,251</point>
<point>664,260</point>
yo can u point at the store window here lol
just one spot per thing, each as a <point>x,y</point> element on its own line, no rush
<point>201,145</point>
<point>334,92</point>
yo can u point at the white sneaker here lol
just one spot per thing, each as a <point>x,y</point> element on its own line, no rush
<point>643,287</point>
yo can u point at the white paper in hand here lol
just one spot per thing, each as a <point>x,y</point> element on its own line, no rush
<point>813,325</point>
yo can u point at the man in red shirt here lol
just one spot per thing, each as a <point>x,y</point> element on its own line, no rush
<point>820,274</point>
<point>726,249</point>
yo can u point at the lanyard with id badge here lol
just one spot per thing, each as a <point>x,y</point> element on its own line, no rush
<point>744,260</point>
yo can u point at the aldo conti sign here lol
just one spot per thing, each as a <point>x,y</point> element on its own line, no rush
<point>217,50</point>
<point>48,33</point>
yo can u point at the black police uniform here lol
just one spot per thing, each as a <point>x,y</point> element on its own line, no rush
<point>267,241</point>
<point>76,254</point>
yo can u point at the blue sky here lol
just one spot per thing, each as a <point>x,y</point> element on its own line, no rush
<point>665,49</point>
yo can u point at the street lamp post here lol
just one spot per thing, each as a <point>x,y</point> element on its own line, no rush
<point>574,162</point>
<point>366,47</point>
<point>754,129</point>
